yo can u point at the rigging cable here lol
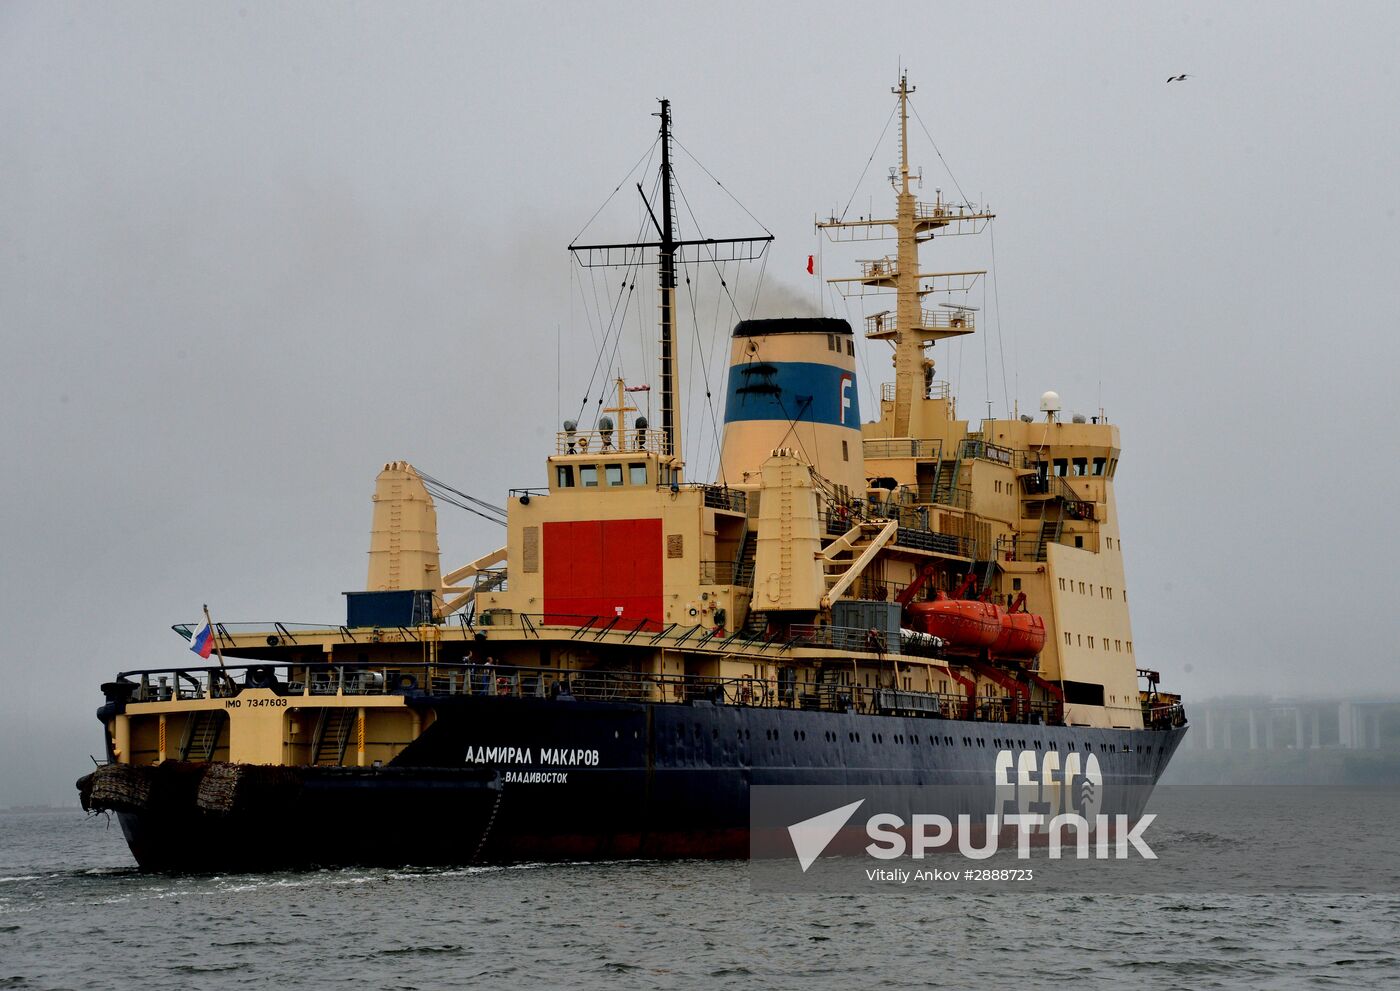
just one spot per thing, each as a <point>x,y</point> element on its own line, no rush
<point>460,499</point>
<point>629,284</point>
<point>676,142</point>
<point>873,152</point>
<point>646,154</point>
<point>939,153</point>
<point>713,256</point>
<point>704,367</point>
<point>996,301</point>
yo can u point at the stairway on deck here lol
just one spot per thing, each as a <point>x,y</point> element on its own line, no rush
<point>332,736</point>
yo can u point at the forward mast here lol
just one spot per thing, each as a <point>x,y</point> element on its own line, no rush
<point>668,247</point>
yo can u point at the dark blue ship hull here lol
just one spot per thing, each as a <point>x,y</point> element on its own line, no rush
<point>509,779</point>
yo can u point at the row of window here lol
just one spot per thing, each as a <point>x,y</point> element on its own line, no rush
<point>913,739</point>
<point>1073,639</point>
<point>833,343</point>
<point>1081,467</point>
<point>1102,591</point>
<point>612,473</point>
<point>1107,748</point>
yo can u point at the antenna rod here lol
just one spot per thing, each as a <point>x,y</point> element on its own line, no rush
<point>670,421</point>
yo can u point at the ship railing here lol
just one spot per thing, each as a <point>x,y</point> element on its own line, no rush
<point>610,441</point>
<point>941,210</point>
<point>883,324</point>
<point>1164,716</point>
<point>721,496</point>
<point>915,529</point>
<point>717,572</point>
<point>791,688</point>
<point>975,448</point>
<point>937,389</point>
<point>224,632</point>
<point>896,447</point>
<point>838,638</point>
<point>876,268</point>
<point>1076,506</point>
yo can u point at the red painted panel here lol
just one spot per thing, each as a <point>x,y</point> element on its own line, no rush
<point>593,567</point>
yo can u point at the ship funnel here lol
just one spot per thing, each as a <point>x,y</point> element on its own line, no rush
<point>792,384</point>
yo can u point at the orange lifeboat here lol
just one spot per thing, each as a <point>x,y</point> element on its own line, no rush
<point>1022,635</point>
<point>964,623</point>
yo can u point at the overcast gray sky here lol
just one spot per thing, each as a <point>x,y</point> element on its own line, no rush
<point>250,252</point>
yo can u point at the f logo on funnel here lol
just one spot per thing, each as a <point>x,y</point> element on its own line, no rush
<point>811,836</point>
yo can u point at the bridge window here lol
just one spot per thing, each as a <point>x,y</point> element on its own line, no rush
<point>1081,467</point>
<point>564,477</point>
<point>1099,465</point>
<point>1061,467</point>
<point>845,452</point>
<point>637,474</point>
<point>588,476</point>
<point>851,348</point>
<point>613,473</point>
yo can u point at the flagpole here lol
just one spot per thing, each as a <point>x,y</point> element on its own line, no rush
<point>214,635</point>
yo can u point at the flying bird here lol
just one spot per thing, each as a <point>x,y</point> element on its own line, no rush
<point>1181,78</point>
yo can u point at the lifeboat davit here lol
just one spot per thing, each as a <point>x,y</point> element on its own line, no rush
<point>1022,635</point>
<point>964,623</point>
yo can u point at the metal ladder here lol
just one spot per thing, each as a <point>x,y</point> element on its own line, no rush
<point>202,733</point>
<point>332,735</point>
<point>748,551</point>
<point>1049,534</point>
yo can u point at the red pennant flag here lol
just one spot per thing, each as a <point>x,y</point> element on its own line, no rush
<point>810,270</point>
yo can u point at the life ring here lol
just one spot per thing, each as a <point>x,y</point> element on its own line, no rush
<point>261,677</point>
<point>503,686</point>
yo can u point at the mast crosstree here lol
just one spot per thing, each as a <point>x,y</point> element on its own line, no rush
<point>669,249</point>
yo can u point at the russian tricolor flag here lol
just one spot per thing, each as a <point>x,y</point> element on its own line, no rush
<point>203,640</point>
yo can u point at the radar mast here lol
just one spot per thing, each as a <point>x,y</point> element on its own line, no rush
<point>912,328</point>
